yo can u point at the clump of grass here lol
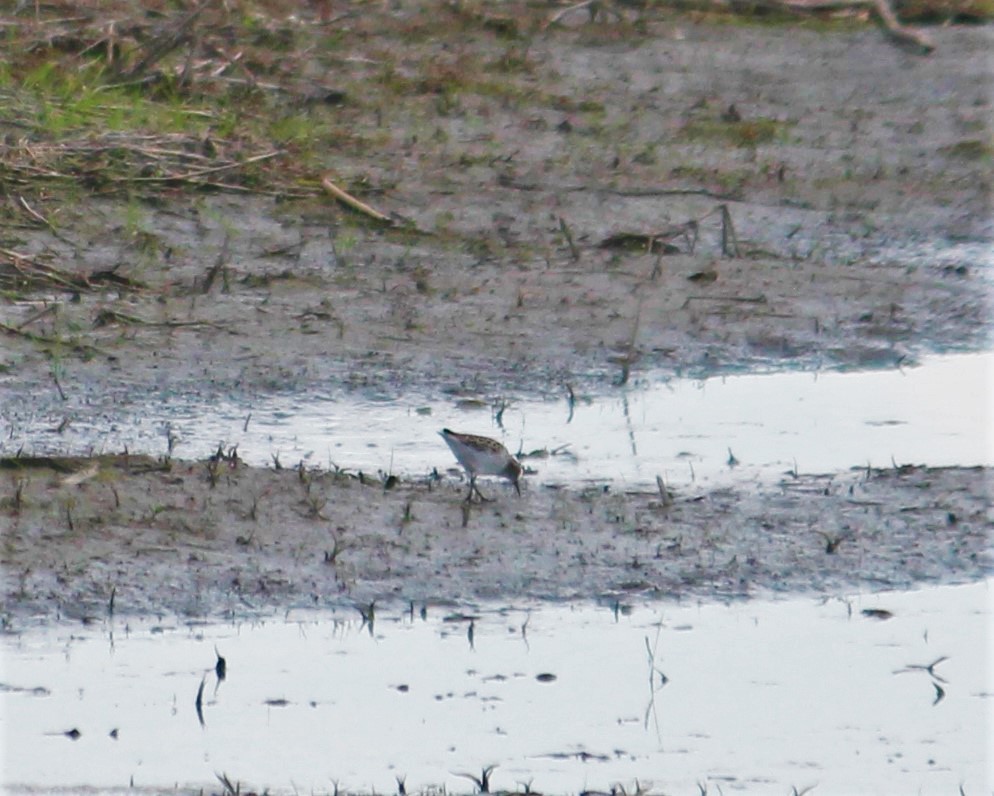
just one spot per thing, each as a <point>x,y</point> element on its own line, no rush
<point>972,149</point>
<point>739,133</point>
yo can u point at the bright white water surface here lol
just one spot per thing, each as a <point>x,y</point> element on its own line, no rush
<point>939,413</point>
<point>760,697</point>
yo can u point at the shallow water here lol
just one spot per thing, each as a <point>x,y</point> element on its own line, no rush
<point>758,697</point>
<point>939,413</point>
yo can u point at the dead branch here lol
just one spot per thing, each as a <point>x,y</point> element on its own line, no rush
<point>729,241</point>
<point>881,10</point>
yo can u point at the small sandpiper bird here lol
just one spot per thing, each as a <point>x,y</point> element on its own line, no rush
<point>482,456</point>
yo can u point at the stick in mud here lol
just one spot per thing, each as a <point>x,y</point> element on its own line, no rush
<point>729,241</point>
<point>199,702</point>
<point>349,200</point>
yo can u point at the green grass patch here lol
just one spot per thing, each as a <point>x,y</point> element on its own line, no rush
<point>740,133</point>
<point>971,149</point>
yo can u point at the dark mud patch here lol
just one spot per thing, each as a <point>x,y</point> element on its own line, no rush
<point>219,538</point>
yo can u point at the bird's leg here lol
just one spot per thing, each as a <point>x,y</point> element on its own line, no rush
<point>474,487</point>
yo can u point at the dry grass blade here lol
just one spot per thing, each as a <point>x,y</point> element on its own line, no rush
<point>20,272</point>
<point>84,349</point>
<point>164,43</point>
<point>111,162</point>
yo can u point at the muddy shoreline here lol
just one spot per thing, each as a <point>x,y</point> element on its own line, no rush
<point>859,211</point>
<point>218,539</point>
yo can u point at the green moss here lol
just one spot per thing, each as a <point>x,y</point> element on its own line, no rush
<point>741,133</point>
<point>971,149</point>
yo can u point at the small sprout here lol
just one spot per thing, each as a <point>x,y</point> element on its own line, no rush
<point>368,615</point>
<point>236,789</point>
<point>213,471</point>
<point>930,668</point>
<point>315,504</point>
<point>568,237</point>
<point>19,495</point>
<point>832,542</point>
<point>664,493</point>
<point>483,782</point>
<point>221,667</point>
<point>499,408</point>
<point>338,547</point>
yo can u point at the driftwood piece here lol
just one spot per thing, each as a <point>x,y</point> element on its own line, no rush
<point>881,9</point>
<point>350,201</point>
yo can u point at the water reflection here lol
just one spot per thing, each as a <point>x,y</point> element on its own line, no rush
<point>754,426</point>
<point>758,696</point>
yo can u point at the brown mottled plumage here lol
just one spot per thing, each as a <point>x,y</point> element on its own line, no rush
<point>482,456</point>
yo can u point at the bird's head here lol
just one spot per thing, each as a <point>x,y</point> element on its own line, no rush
<point>513,472</point>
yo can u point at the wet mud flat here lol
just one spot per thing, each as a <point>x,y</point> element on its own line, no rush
<point>218,538</point>
<point>624,201</point>
<point>581,208</point>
